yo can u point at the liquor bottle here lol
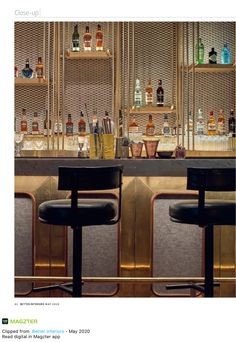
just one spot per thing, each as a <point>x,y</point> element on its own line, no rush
<point>133,126</point>
<point>221,123</point>
<point>137,94</point>
<point>231,123</point>
<point>27,72</point>
<point>23,123</point>
<point>149,94</point>
<point>69,126</point>
<point>99,38</point>
<point>81,125</point>
<point>199,52</point>
<point>211,124</point>
<point>39,68</point>
<point>16,74</point>
<point>35,124</point>
<point>160,94</point>
<point>225,55</point>
<point>87,40</point>
<point>213,56</point>
<point>166,126</point>
<point>120,124</point>
<point>47,125</point>
<point>58,124</point>
<point>200,123</point>
<point>150,127</point>
<point>189,124</point>
<point>75,40</point>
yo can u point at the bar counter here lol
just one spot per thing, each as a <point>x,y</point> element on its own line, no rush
<point>146,183</point>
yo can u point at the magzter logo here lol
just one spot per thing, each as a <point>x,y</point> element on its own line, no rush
<point>4,320</point>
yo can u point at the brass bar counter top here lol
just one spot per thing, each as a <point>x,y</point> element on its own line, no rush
<point>47,166</point>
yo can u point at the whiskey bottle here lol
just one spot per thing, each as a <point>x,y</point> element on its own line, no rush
<point>221,123</point>
<point>211,124</point>
<point>166,126</point>
<point>39,68</point>
<point>200,123</point>
<point>58,124</point>
<point>27,72</point>
<point>69,126</point>
<point>231,123</point>
<point>137,94</point>
<point>160,94</point>
<point>47,125</point>
<point>23,123</point>
<point>87,40</point>
<point>35,124</point>
<point>150,127</point>
<point>213,56</point>
<point>149,94</point>
<point>75,40</point>
<point>81,125</point>
<point>133,126</point>
<point>99,38</point>
<point>225,55</point>
<point>199,52</point>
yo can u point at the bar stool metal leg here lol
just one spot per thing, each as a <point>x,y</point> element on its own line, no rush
<point>77,261</point>
<point>209,261</point>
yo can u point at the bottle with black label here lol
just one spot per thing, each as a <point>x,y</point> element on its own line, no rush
<point>231,123</point>
<point>160,94</point>
<point>213,56</point>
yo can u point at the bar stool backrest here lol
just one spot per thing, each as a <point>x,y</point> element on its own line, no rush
<point>207,179</point>
<point>89,178</point>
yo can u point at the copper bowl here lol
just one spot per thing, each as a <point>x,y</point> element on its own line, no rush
<point>165,154</point>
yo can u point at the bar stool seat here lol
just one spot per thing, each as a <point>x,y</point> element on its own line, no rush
<point>215,212</point>
<point>88,213</point>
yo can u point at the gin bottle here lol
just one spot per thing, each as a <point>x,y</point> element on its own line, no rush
<point>75,39</point>
<point>189,124</point>
<point>166,126</point>
<point>137,94</point>
<point>213,56</point>
<point>199,53</point>
<point>225,55</point>
<point>200,123</point>
<point>160,94</point>
<point>27,72</point>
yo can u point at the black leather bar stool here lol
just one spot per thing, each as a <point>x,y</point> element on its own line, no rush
<point>206,214</point>
<point>78,213</point>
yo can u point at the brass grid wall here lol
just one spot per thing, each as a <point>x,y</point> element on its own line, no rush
<point>31,41</point>
<point>154,57</point>
<point>213,91</point>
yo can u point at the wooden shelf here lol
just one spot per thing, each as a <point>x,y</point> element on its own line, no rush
<point>212,68</point>
<point>88,55</point>
<point>152,110</point>
<point>31,82</point>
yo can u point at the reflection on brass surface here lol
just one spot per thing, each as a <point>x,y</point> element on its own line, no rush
<point>147,280</point>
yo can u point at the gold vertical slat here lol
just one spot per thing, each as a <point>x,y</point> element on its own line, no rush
<point>48,76</point>
<point>63,77</point>
<point>193,79</point>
